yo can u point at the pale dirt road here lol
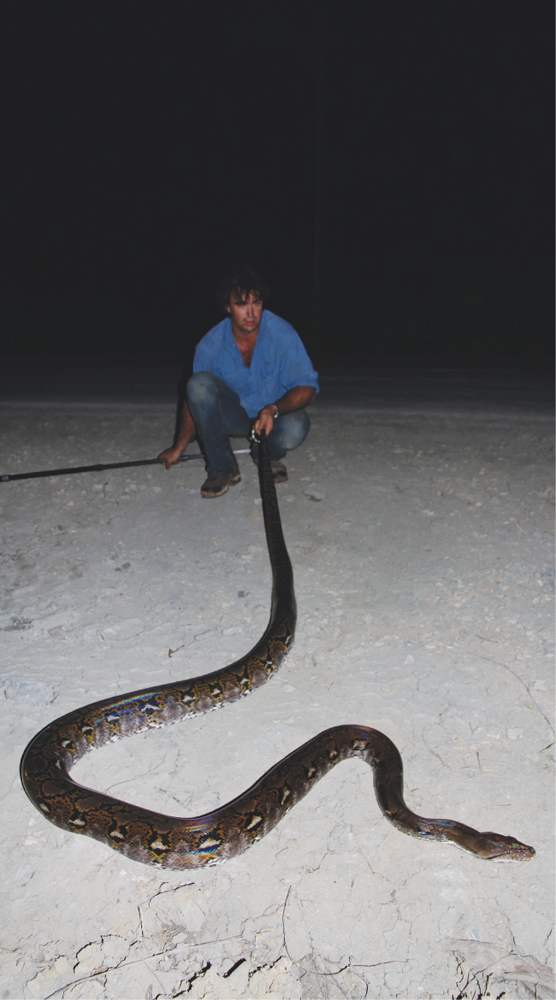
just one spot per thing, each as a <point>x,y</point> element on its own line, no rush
<point>422,542</point>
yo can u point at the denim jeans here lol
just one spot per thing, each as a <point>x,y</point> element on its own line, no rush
<point>219,415</point>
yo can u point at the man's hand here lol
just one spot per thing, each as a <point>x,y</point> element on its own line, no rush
<point>171,456</point>
<point>294,399</point>
<point>265,420</point>
<point>187,429</point>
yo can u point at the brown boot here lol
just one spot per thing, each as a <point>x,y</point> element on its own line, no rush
<point>279,472</point>
<point>215,486</point>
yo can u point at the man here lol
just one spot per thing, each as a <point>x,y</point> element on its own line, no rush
<point>251,370</point>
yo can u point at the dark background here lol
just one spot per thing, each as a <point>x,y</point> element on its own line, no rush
<point>387,166</point>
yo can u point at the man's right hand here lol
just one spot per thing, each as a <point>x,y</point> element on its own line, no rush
<point>187,430</point>
<point>171,456</point>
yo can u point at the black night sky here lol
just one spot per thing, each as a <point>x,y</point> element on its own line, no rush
<point>387,166</point>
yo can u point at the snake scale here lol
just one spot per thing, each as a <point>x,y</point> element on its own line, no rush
<point>173,842</point>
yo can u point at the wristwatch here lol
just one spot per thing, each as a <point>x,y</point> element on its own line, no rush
<point>277,414</point>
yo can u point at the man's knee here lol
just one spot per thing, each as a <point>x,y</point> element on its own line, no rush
<point>201,386</point>
<point>294,429</point>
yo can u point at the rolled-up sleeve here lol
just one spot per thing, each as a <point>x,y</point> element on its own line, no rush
<point>298,367</point>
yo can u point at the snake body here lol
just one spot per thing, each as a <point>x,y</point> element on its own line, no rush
<point>173,842</point>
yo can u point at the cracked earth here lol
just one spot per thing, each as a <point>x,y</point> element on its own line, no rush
<point>422,547</point>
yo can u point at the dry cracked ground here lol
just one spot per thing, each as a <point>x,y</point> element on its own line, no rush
<point>422,545</point>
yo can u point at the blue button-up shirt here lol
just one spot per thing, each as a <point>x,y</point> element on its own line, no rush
<point>279,363</point>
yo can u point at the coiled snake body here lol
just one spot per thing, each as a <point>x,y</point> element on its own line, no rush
<point>171,842</point>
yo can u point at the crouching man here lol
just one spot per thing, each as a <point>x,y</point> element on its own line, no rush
<point>251,370</point>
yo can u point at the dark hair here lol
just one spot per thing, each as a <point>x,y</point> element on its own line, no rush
<point>239,282</point>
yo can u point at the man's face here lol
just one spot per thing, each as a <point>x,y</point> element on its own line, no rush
<point>246,313</point>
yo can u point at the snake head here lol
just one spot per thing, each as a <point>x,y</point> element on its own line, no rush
<point>495,847</point>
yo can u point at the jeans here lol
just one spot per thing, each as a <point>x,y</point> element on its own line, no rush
<point>219,415</point>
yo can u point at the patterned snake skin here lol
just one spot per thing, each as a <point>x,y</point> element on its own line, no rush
<point>171,842</point>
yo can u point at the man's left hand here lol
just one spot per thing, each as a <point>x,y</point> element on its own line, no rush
<point>265,420</point>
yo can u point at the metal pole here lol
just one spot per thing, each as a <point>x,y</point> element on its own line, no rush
<point>102,468</point>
